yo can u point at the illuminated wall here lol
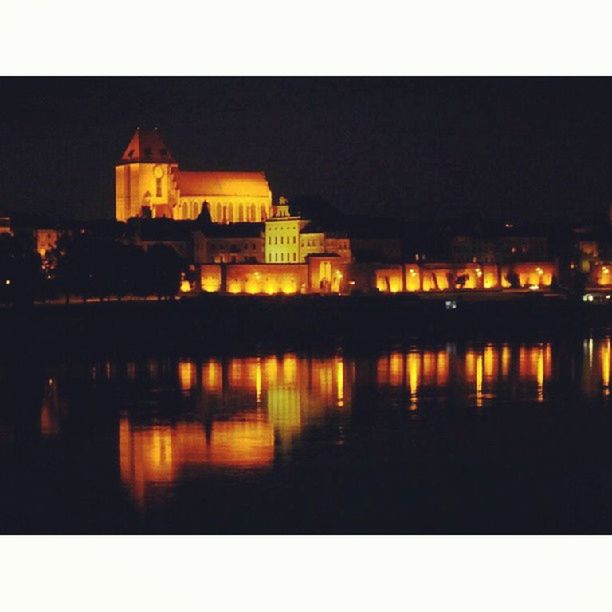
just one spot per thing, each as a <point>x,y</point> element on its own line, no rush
<point>490,278</point>
<point>267,278</point>
<point>139,185</point>
<point>601,274</point>
<point>412,275</point>
<point>282,240</point>
<point>330,274</point>
<point>340,245</point>
<point>310,243</point>
<point>210,278</point>
<point>327,274</point>
<point>529,274</point>
<point>390,279</point>
<point>230,197</point>
<point>147,176</point>
<point>435,278</point>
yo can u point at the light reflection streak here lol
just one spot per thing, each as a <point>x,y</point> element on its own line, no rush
<point>414,371</point>
<point>479,371</point>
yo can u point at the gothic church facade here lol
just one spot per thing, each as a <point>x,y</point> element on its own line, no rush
<point>149,183</point>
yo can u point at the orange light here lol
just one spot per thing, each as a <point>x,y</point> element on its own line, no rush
<point>479,370</point>
<point>414,371</point>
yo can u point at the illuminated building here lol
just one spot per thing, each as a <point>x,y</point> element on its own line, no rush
<point>149,183</point>
<point>601,274</point>
<point>235,243</point>
<point>282,235</point>
<point>6,226</point>
<point>281,240</point>
<point>433,277</point>
<point>266,278</point>
<point>46,240</point>
<point>292,239</point>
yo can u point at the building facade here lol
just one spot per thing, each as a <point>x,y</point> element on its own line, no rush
<point>149,183</point>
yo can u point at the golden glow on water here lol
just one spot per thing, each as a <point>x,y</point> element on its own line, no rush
<point>470,366</point>
<point>340,382</point>
<point>605,357</point>
<point>212,376</point>
<point>246,413</point>
<point>157,454</point>
<point>414,372</point>
<point>540,374</point>
<point>396,369</point>
<point>187,375</point>
<point>506,357</point>
<point>50,412</point>
<point>258,381</point>
<point>442,368</point>
<point>479,369</point>
<point>491,361</point>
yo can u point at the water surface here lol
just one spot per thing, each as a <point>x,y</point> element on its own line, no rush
<point>471,437</point>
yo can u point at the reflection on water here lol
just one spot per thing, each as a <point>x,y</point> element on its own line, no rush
<point>158,454</point>
<point>248,413</point>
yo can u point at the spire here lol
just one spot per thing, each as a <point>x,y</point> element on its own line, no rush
<point>146,146</point>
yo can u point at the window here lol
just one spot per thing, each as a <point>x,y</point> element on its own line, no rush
<point>158,187</point>
<point>294,257</point>
<point>294,239</point>
<point>282,240</point>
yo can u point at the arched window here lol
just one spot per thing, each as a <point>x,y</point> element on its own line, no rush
<point>230,214</point>
<point>158,187</point>
<point>219,213</point>
<point>253,212</point>
<point>263,212</point>
<point>241,213</point>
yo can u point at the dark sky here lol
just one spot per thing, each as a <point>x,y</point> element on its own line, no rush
<point>406,147</point>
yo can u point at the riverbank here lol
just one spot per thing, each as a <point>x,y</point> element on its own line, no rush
<point>214,322</point>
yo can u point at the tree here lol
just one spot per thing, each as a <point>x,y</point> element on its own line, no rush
<point>164,267</point>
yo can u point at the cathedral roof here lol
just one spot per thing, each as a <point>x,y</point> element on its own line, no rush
<point>147,146</point>
<point>223,184</point>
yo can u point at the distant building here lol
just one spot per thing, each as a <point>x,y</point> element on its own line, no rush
<point>6,226</point>
<point>505,245</point>
<point>46,240</point>
<point>292,239</point>
<point>234,243</point>
<point>149,183</point>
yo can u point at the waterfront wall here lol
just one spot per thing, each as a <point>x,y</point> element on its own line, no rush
<point>328,274</point>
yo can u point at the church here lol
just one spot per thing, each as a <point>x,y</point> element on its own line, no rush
<point>149,183</point>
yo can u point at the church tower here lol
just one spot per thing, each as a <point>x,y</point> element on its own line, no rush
<point>145,178</point>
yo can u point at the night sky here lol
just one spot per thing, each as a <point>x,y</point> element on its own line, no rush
<point>412,148</point>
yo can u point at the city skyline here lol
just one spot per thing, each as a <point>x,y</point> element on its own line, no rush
<point>411,148</point>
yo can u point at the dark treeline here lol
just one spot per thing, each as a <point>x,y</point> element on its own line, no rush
<point>84,266</point>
